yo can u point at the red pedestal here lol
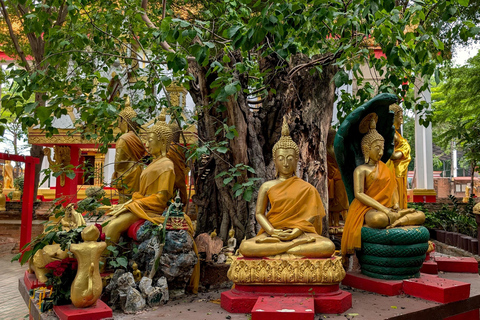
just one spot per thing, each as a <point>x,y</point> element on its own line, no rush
<point>298,308</point>
<point>70,312</point>
<point>429,267</point>
<point>31,281</point>
<point>437,289</point>
<point>457,264</point>
<point>470,315</point>
<point>327,299</point>
<point>363,282</point>
<point>132,230</point>
<point>424,198</point>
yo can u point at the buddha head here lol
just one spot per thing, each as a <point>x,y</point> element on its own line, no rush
<point>175,131</point>
<point>231,233</point>
<point>285,153</point>
<point>372,142</point>
<point>90,233</point>
<point>159,138</point>
<point>125,118</point>
<point>398,111</point>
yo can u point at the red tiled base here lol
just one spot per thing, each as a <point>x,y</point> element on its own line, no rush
<point>457,264</point>
<point>327,299</point>
<point>363,282</point>
<point>31,281</point>
<point>283,308</point>
<point>437,289</point>
<point>429,267</point>
<point>70,312</point>
<point>470,315</point>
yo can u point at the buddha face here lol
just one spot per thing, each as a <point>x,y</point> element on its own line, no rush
<point>398,121</point>
<point>286,162</point>
<point>231,233</point>
<point>376,150</point>
<point>154,145</point>
<point>122,124</point>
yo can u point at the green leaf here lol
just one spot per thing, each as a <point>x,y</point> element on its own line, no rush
<point>463,3</point>
<point>227,180</point>
<point>122,261</point>
<point>340,78</point>
<point>222,149</point>
<point>230,89</point>
<point>247,195</point>
<point>233,30</point>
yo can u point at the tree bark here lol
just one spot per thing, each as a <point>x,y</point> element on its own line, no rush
<point>307,100</point>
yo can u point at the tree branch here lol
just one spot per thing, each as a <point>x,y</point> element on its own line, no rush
<point>320,61</point>
<point>14,37</point>
<point>150,24</point>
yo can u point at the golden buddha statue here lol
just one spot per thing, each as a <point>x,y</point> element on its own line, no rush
<point>294,223</point>
<point>3,199</point>
<point>400,157</point>
<point>8,175</point>
<point>156,187</point>
<point>176,153</point>
<point>87,286</point>
<point>72,218</point>
<point>129,151</point>
<point>375,189</point>
<point>337,195</point>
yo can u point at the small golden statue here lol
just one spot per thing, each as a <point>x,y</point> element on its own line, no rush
<point>61,160</point>
<point>400,157</point>
<point>87,285</point>
<point>294,223</point>
<point>376,196</point>
<point>337,195</point>
<point>229,250</point>
<point>44,256</point>
<point>176,153</point>
<point>8,175</point>
<point>137,274</point>
<point>467,195</point>
<point>3,199</point>
<point>72,218</point>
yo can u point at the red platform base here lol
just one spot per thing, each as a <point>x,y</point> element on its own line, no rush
<point>31,281</point>
<point>457,264</point>
<point>70,312</point>
<point>268,308</point>
<point>470,315</point>
<point>429,267</point>
<point>437,289</point>
<point>326,299</point>
<point>363,282</point>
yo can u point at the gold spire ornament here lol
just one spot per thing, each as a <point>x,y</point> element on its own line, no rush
<point>285,141</point>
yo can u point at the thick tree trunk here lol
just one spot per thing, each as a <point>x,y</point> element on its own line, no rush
<point>307,99</point>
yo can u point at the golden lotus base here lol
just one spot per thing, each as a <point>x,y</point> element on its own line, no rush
<point>286,269</point>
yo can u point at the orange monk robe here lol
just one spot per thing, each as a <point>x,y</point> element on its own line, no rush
<point>176,154</point>
<point>295,204</point>
<point>379,185</point>
<point>129,151</point>
<point>400,168</point>
<point>156,188</point>
<point>337,195</point>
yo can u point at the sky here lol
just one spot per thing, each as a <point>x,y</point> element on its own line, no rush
<point>463,53</point>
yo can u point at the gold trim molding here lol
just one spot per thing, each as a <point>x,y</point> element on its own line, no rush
<point>286,271</point>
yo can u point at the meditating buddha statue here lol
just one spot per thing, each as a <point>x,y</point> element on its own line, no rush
<point>156,187</point>
<point>400,157</point>
<point>294,223</point>
<point>375,188</point>
<point>8,175</point>
<point>129,151</point>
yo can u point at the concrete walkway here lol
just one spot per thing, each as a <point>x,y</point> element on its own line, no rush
<point>12,306</point>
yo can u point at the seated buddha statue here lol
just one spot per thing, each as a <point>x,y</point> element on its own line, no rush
<point>375,189</point>
<point>400,157</point>
<point>294,222</point>
<point>129,151</point>
<point>155,190</point>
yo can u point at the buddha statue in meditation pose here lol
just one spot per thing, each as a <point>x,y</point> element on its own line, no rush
<point>400,157</point>
<point>294,223</point>
<point>375,189</point>
<point>129,151</point>
<point>156,187</point>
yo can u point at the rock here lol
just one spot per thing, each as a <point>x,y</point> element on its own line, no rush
<point>145,286</point>
<point>113,282</point>
<point>178,268</point>
<point>145,231</point>
<point>178,242</point>
<point>210,246</point>
<point>221,258</point>
<point>135,302</point>
<point>163,286</point>
<point>155,297</point>
<point>125,282</point>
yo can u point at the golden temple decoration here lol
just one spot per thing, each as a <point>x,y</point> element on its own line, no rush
<point>62,159</point>
<point>286,270</point>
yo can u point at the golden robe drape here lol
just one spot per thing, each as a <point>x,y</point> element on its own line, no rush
<point>295,204</point>
<point>129,151</point>
<point>176,154</point>
<point>159,175</point>
<point>381,187</point>
<point>400,168</point>
<point>337,195</point>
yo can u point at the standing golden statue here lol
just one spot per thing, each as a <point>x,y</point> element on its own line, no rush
<point>87,286</point>
<point>8,175</point>
<point>294,223</point>
<point>176,153</point>
<point>156,187</point>
<point>129,151</point>
<point>400,157</point>
<point>337,195</point>
<point>375,189</point>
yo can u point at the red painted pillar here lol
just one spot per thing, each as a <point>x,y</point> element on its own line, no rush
<point>68,192</point>
<point>27,202</point>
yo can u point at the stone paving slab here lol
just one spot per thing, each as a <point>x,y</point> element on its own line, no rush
<point>12,306</point>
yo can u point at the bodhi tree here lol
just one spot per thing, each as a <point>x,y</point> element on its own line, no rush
<point>245,63</point>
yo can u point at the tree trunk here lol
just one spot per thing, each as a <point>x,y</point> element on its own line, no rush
<point>307,100</point>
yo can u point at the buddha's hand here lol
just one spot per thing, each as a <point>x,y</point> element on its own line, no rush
<point>117,210</point>
<point>287,234</point>
<point>395,207</point>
